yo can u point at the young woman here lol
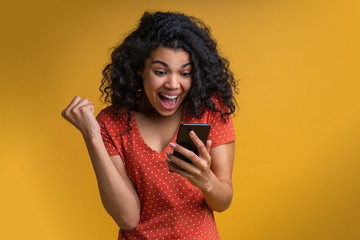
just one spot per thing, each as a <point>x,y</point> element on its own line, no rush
<point>166,72</point>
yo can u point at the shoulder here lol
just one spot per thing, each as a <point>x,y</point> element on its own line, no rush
<point>219,103</point>
<point>110,113</point>
<point>113,118</point>
<point>216,110</point>
<point>220,110</point>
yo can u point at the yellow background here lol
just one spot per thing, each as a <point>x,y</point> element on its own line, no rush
<point>297,169</point>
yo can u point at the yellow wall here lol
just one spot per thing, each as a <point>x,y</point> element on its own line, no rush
<point>297,166</point>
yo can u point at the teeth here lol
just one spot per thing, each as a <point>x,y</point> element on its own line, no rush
<point>168,96</point>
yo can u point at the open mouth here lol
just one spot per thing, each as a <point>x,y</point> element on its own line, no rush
<point>168,100</point>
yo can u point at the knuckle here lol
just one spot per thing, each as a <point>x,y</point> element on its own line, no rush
<point>177,163</point>
<point>203,165</point>
<point>72,110</point>
<point>82,108</point>
<point>192,155</point>
<point>65,113</point>
<point>202,147</point>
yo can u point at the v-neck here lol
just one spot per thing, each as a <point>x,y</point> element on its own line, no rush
<point>138,135</point>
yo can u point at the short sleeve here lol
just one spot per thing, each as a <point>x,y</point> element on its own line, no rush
<point>102,118</point>
<point>222,130</point>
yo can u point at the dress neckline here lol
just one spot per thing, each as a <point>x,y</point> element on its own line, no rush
<point>140,137</point>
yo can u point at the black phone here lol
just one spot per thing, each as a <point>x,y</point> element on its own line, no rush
<point>183,138</point>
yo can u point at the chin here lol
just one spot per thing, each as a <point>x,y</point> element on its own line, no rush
<point>166,113</point>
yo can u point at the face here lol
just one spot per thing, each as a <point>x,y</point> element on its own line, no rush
<point>167,79</point>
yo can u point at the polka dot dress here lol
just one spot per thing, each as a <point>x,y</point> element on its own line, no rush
<point>171,208</point>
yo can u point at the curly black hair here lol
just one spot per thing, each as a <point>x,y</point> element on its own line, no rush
<point>211,76</point>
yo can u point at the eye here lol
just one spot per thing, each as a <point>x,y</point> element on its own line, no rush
<point>160,73</point>
<point>186,74</point>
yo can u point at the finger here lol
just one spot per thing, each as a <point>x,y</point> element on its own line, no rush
<point>208,145</point>
<point>82,102</point>
<point>203,150</point>
<point>189,167</point>
<point>89,106</point>
<point>92,108</point>
<point>79,106</point>
<point>75,100</point>
<point>176,169</point>
<point>186,153</point>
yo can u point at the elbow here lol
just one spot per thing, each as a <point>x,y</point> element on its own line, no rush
<point>128,226</point>
<point>130,223</point>
<point>127,219</point>
<point>219,210</point>
<point>222,208</point>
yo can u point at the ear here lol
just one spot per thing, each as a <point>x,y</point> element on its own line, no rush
<point>140,73</point>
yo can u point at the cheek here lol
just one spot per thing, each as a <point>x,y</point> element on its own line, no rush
<point>150,88</point>
<point>187,85</point>
<point>148,84</point>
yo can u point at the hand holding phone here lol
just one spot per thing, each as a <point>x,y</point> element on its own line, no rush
<point>183,138</point>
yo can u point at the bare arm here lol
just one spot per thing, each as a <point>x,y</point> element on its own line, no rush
<point>219,196</point>
<point>211,171</point>
<point>117,192</point>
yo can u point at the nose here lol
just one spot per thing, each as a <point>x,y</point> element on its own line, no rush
<point>172,82</point>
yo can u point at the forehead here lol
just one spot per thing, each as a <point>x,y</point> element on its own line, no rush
<point>170,56</point>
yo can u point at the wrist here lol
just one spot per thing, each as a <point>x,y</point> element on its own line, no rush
<point>92,136</point>
<point>210,184</point>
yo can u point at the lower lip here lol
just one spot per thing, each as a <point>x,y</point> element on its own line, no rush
<point>169,107</point>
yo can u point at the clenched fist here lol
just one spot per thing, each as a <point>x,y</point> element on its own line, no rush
<point>80,113</point>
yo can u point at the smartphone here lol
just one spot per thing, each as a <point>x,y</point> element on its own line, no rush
<point>183,138</point>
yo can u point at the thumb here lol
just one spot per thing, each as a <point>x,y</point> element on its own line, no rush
<point>208,145</point>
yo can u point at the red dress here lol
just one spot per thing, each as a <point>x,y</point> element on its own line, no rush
<point>171,208</point>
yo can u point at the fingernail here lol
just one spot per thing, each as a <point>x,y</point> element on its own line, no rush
<point>172,145</point>
<point>192,133</point>
<point>167,154</point>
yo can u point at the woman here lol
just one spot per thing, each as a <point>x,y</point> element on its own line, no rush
<point>166,72</point>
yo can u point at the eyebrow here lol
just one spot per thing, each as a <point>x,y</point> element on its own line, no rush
<point>167,65</point>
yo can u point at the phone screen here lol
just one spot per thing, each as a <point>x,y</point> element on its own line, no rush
<point>183,138</point>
